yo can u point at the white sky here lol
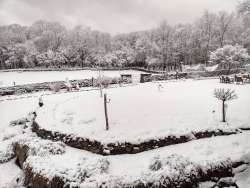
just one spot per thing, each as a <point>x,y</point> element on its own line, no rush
<point>113,16</point>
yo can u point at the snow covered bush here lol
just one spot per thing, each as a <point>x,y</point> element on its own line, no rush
<point>42,147</point>
<point>229,56</point>
<point>218,168</point>
<point>51,58</point>
<point>174,170</point>
<point>155,164</point>
<point>92,167</point>
<point>6,151</point>
<point>178,171</point>
<point>7,139</point>
<point>106,81</point>
<point>52,171</point>
<point>55,87</point>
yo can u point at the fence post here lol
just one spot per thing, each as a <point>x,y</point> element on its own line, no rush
<point>106,111</point>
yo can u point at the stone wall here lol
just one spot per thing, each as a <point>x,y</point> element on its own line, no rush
<point>55,86</point>
<point>125,147</point>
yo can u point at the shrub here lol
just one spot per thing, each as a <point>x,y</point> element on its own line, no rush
<point>55,87</point>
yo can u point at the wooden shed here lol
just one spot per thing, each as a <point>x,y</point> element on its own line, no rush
<point>145,77</point>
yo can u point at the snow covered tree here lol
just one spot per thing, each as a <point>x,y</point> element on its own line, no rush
<point>206,29</point>
<point>244,7</point>
<point>47,35</point>
<point>164,40</point>
<point>51,58</point>
<point>224,95</point>
<point>125,56</point>
<point>110,60</point>
<point>229,56</point>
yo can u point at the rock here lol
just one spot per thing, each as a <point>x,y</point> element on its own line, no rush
<point>226,182</point>
<point>214,179</point>
<point>136,149</point>
<point>33,180</point>
<point>246,158</point>
<point>237,163</point>
<point>240,168</point>
<point>243,178</point>
<point>21,153</point>
<point>19,121</point>
<point>106,151</point>
<point>207,184</point>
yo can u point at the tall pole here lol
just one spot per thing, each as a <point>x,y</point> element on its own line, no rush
<point>106,111</point>
<point>223,111</point>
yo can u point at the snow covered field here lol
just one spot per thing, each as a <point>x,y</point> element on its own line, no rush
<point>135,113</point>
<point>141,112</point>
<point>7,78</point>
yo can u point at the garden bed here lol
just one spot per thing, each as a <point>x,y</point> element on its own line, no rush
<point>52,164</point>
<point>58,167</point>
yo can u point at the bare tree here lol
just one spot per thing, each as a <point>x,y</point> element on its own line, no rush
<point>224,95</point>
<point>164,35</point>
<point>206,26</point>
<point>244,7</point>
<point>224,21</point>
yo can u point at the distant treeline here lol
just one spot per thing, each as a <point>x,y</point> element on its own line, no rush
<point>50,44</point>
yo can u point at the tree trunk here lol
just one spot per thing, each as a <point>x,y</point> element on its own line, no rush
<point>106,111</point>
<point>223,112</point>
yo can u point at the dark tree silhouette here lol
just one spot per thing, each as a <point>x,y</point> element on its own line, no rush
<point>224,95</point>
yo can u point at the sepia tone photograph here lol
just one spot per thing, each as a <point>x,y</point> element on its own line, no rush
<point>125,94</point>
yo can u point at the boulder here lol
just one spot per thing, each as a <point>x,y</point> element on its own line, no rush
<point>226,182</point>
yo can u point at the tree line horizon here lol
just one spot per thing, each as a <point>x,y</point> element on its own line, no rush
<point>50,44</point>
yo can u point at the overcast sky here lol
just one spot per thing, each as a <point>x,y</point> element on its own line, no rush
<point>113,16</point>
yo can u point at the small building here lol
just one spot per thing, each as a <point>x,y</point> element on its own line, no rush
<point>137,78</point>
<point>126,76</point>
<point>145,77</point>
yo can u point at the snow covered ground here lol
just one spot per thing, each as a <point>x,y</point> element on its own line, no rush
<point>135,113</point>
<point>16,107</point>
<point>9,172</point>
<point>7,78</point>
<point>200,67</point>
<point>129,168</point>
<point>141,112</point>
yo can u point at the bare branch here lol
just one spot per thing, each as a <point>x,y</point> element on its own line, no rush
<point>225,94</point>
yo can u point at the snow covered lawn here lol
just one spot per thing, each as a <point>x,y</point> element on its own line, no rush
<point>20,78</point>
<point>136,113</point>
<point>142,112</point>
